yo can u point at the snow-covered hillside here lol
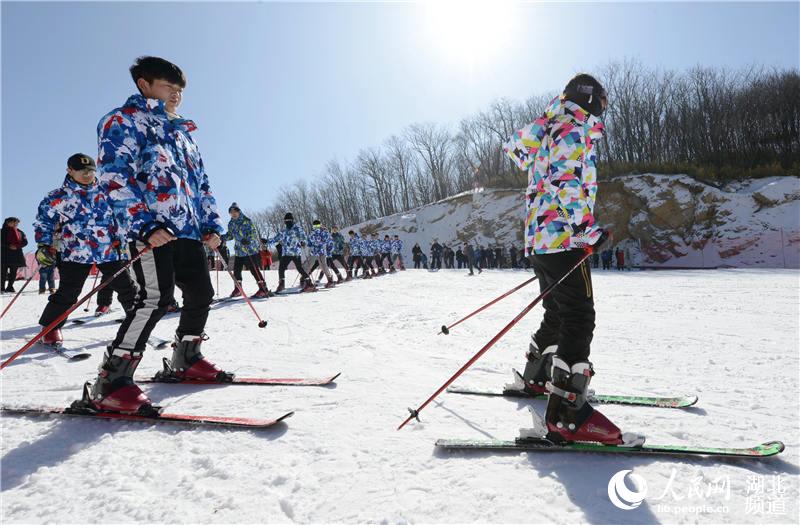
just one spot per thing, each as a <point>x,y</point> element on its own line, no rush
<point>664,220</point>
<point>340,459</point>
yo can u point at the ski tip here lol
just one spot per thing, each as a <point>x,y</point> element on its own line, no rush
<point>285,416</point>
<point>770,448</point>
<point>80,357</point>
<point>334,378</point>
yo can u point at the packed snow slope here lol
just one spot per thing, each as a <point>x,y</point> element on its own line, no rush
<point>664,221</point>
<point>729,336</point>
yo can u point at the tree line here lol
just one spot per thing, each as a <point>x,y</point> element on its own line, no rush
<point>711,122</point>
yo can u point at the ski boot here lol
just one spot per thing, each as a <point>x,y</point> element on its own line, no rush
<point>392,270</point>
<point>101,310</point>
<point>52,291</point>
<point>349,276</point>
<point>308,286</point>
<point>330,284</point>
<point>261,294</point>
<point>53,338</point>
<point>281,286</point>
<point>339,279</point>
<point>188,363</point>
<point>42,292</point>
<point>114,389</point>
<point>569,415</point>
<point>236,292</point>
<point>537,368</point>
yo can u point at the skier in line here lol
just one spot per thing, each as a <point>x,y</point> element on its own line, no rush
<point>338,254</point>
<point>386,253</point>
<point>246,249</point>
<point>397,254</point>
<point>320,244</point>
<point>357,250</point>
<point>375,252</point>
<point>89,235</point>
<point>469,253</point>
<point>292,240</point>
<point>336,244</point>
<point>560,227</point>
<point>155,177</point>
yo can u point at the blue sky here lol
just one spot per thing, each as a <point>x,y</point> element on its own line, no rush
<point>278,89</point>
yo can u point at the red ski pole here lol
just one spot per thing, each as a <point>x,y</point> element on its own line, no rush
<point>446,329</point>
<point>96,275</point>
<point>72,308</point>
<point>17,295</point>
<point>414,414</point>
<point>216,269</point>
<point>261,323</point>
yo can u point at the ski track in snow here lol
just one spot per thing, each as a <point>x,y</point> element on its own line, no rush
<point>730,336</point>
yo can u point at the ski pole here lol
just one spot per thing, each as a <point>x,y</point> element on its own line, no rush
<point>261,323</point>
<point>446,329</point>
<point>17,295</point>
<point>216,269</point>
<point>414,414</point>
<point>72,308</point>
<point>96,275</point>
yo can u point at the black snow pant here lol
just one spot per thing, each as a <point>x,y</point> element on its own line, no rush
<point>240,261</point>
<point>9,275</point>
<point>298,264</point>
<point>180,263</point>
<point>72,278</point>
<point>386,257</point>
<point>569,308</point>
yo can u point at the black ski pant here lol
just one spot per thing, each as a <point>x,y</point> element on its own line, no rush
<point>417,263</point>
<point>569,308</point>
<point>9,275</point>
<point>240,261</point>
<point>180,263</point>
<point>72,278</point>
<point>298,264</point>
<point>387,257</point>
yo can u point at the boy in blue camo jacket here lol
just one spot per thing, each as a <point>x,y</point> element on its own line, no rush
<point>89,235</point>
<point>153,172</point>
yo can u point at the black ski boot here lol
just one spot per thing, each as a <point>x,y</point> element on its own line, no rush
<point>188,363</point>
<point>537,367</point>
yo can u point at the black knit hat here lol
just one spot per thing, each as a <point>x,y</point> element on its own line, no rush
<point>587,92</point>
<point>234,206</point>
<point>288,217</point>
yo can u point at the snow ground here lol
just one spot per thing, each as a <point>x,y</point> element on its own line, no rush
<point>731,336</point>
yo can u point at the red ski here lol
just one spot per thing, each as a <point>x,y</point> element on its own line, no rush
<point>274,381</point>
<point>181,419</point>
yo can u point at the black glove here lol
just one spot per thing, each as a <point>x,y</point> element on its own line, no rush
<point>245,242</point>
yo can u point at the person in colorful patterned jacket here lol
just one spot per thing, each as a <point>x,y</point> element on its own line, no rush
<point>320,244</point>
<point>246,249</point>
<point>292,240</point>
<point>357,255</point>
<point>397,253</point>
<point>153,172</point>
<point>375,252</point>
<point>386,253</point>
<point>89,235</point>
<point>558,151</point>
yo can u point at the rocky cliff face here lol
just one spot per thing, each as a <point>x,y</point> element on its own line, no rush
<point>664,220</point>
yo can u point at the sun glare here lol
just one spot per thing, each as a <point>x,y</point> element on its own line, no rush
<point>469,31</point>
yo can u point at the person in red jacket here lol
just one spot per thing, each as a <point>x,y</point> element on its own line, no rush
<point>620,259</point>
<point>266,255</point>
<point>13,240</point>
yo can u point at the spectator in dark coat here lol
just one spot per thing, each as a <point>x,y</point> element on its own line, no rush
<point>416,255</point>
<point>13,240</point>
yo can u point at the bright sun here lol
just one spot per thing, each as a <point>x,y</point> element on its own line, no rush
<point>469,31</point>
